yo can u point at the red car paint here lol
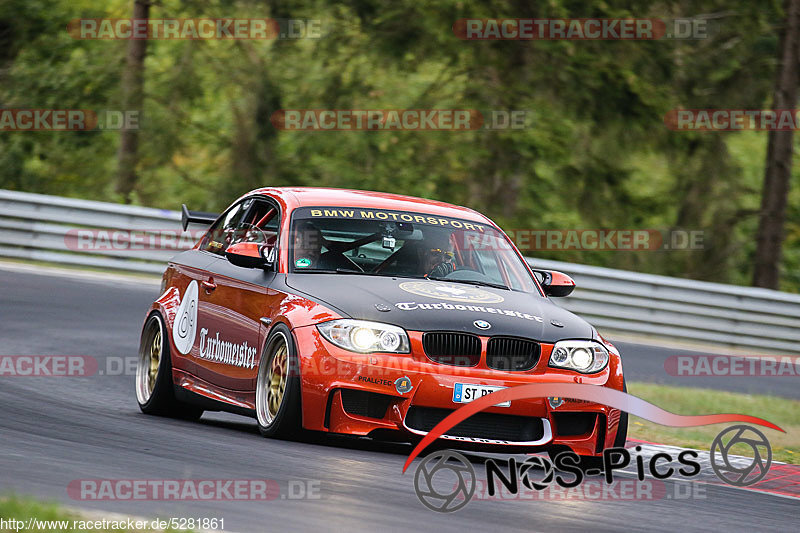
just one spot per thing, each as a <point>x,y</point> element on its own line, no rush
<point>243,311</point>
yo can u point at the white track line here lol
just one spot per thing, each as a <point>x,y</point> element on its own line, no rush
<point>88,275</point>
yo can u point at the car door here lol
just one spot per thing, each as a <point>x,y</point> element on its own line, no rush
<point>186,269</point>
<point>234,300</point>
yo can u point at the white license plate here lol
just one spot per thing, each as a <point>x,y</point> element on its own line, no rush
<point>467,392</point>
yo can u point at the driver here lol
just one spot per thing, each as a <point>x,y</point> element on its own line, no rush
<point>307,245</point>
<point>308,242</point>
<point>430,257</point>
<point>437,255</point>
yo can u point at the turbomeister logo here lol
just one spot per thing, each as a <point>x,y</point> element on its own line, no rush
<point>184,328</point>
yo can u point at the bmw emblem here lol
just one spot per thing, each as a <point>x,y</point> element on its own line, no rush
<point>403,385</point>
<point>482,324</point>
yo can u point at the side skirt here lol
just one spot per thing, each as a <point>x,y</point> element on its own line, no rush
<point>210,404</point>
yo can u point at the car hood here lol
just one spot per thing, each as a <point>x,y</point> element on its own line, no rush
<point>428,305</point>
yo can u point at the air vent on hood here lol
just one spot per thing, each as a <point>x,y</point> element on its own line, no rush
<point>452,348</point>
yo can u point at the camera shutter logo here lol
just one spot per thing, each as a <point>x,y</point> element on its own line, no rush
<point>740,474</point>
<point>537,463</point>
<point>446,497</point>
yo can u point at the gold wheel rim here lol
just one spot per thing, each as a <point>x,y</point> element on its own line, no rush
<point>151,351</point>
<point>276,381</point>
<point>155,359</point>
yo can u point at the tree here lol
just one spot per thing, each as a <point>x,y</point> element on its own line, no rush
<point>132,97</point>
<point>778,172</point>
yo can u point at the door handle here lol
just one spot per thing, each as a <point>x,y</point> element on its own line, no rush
<point>209,285</point>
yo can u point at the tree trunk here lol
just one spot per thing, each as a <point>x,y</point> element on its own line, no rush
<point>779,158</point>
<point>132,97</point>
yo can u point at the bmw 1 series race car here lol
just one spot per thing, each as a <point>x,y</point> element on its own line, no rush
<point>371,314</point>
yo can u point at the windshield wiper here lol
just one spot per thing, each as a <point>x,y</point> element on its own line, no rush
<point>474,282</point>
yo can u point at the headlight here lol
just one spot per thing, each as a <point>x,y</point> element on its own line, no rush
<point>587,357</point>
<point>365,337</point>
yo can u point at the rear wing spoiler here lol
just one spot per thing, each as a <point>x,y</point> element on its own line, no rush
<point>196,217</point>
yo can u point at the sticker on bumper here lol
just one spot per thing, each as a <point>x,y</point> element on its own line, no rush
<point>403,385</point>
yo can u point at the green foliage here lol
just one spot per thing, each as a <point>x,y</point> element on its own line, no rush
<point>596,152</point>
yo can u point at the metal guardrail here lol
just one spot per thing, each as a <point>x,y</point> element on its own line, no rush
<point>45,228</point>
<point>674,308</point>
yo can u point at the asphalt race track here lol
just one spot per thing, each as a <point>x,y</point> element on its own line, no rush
<point>56,430</point>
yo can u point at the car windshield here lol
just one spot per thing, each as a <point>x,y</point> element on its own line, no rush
<point>405,244</point>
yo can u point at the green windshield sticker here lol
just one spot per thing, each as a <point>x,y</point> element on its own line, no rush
<point>303,262</point>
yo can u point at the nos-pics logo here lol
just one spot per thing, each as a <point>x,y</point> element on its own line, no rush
<point>445,480</point>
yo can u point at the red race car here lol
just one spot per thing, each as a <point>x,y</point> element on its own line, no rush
<point>370,314</point>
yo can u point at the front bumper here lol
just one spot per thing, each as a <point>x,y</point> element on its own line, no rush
<point>358,394</point>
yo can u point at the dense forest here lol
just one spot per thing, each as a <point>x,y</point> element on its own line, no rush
<point>595,151</point>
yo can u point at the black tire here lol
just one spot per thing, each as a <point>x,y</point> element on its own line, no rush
<point>284,420</point>
<point>160,400</point>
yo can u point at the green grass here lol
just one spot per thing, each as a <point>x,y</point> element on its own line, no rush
<point>691,401</point>
<point>25,508</point>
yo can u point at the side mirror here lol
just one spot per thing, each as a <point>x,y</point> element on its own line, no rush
<point>555,284</point>
<point>250,255</point>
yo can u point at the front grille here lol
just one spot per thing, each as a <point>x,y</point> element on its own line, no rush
<point>363,403</point>
<point>479,426</point>
<point>574,424</point>
<point>452,348</point>
<point>510,353</point>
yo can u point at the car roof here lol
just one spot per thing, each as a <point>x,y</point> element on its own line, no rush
<point>294,197</point>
